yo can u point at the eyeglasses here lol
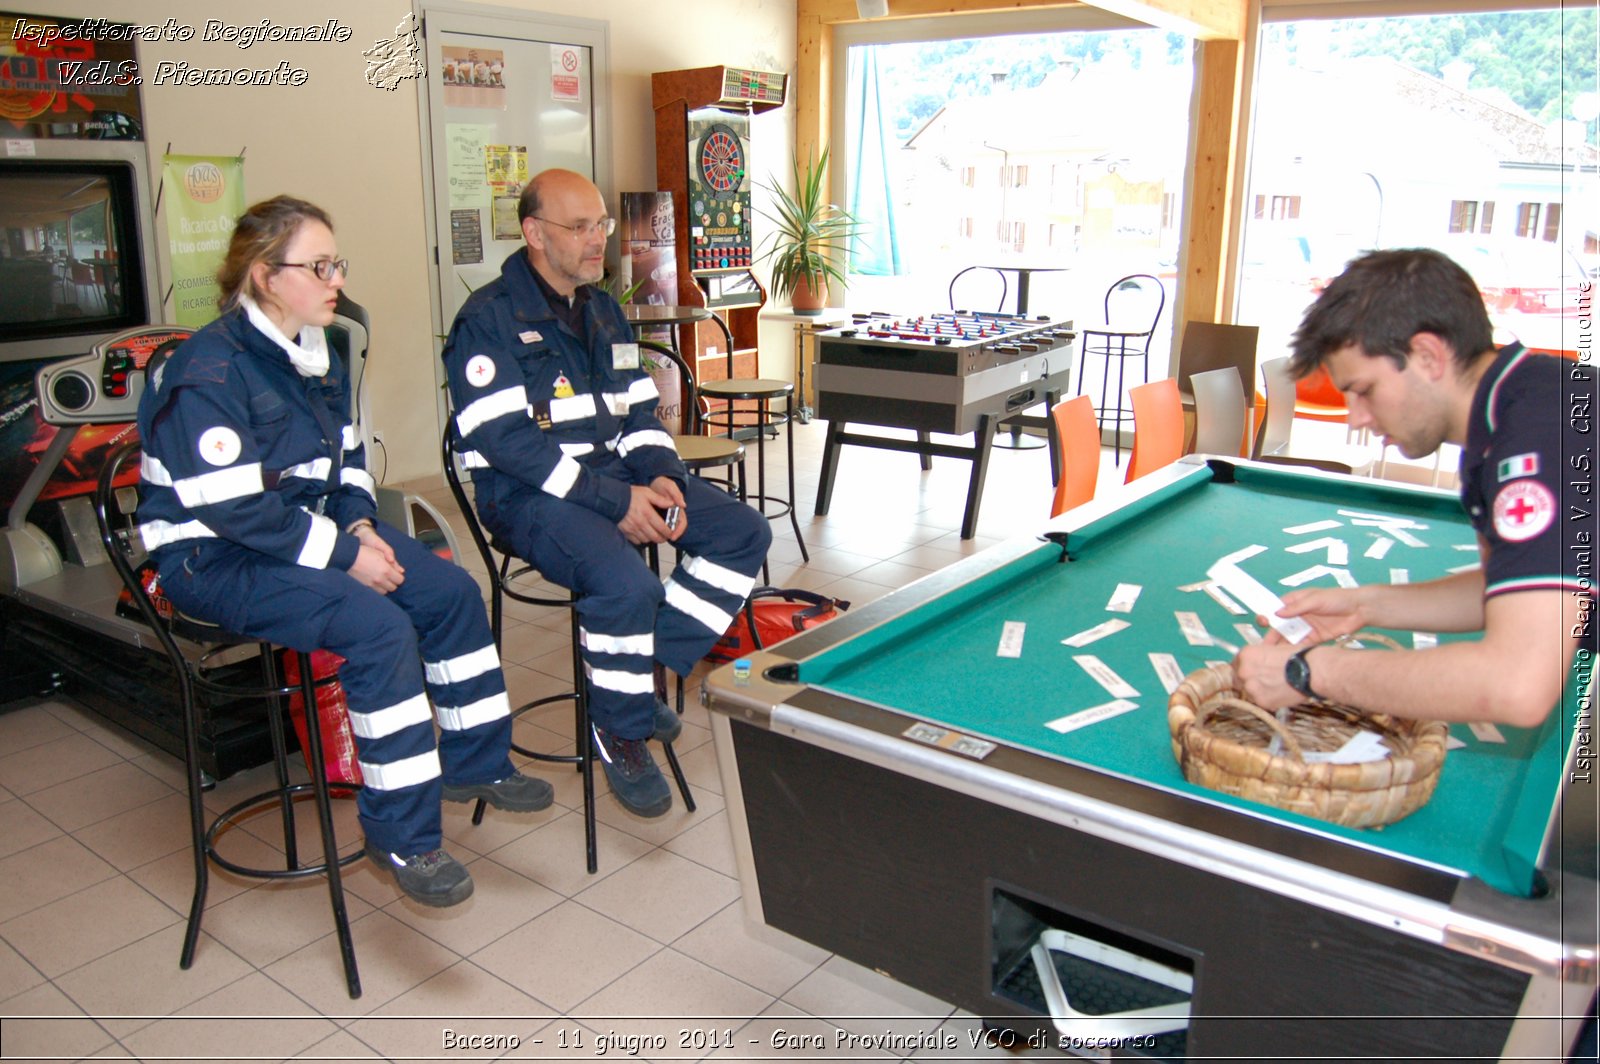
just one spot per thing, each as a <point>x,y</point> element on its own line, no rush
<point>323,268</point>
<point>604,227</point>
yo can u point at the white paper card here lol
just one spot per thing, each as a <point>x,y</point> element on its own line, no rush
<point>1167,671</point>
<point>1193,631</point>
<point>1305,576</point>
<point>1249,633</point>
<point>1223,600</point>
<point>1485,732</point>
<point>1343,578</point>
<point>1115,685</point>
<point>1315,526</point>
<point>1379,548</point>
<point>1123,598</point>
<point>1338,550</point>
<point>1424,640</point>
<point>1011,639</point>
<point>1399,576</point>
<point>1099,631</point>
<point>1362,746</point>
<point>1259,598</point>
<point>1093,715</point>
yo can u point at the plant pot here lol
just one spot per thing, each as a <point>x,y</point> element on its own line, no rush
<point>808,299</point>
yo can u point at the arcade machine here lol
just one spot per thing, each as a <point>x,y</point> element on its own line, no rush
<point>702,158</point>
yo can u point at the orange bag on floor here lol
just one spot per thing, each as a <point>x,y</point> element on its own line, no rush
<point>333,716</point>
<point>773,615</point>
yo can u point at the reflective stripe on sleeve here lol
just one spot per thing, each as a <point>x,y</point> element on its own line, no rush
<point>495,405</point>
<point>387,721</point>
<point>153,472</point>
<point>317,469</point>
<point>320,540</point>
<point>222,485</point>
<point>643,390</point>
<point>472,460</point>
<point>407,772</point>
<point>634,441</point>
<point>483,711</point>
<point>162,533</point>
<point>617,403</point>
<point>618,644</point>
<point>577,450</point>
<point>359,478</point>
<point>687,602</point>
<point>348,439</point>
<point>462,667</point>
<point>562,478</point>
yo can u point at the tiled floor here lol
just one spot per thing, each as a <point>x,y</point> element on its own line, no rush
<point>95,871</point>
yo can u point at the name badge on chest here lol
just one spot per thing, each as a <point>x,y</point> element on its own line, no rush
<point>624,356</point>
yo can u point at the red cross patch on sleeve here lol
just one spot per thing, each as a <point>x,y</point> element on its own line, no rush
<point>1523,510</point>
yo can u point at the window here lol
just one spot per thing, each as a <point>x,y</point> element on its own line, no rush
<point>1486,217</point>
<point>1463,216</point>
<point>1527,219</point>
<point>1276,208</point>
<point>1552,221</point>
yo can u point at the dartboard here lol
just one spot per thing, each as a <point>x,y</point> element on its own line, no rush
<point>721,159</point>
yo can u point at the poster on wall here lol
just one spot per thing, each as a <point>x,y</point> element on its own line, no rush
<point>566,72</point>
<point>75,78</point>
<point>505,168</point>
<point>473,77</point>
<point>464,144</point>
<point>205,196</point>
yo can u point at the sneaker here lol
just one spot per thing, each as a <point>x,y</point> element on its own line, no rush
<point>635,779</point>
<point>668,724</point>
<point>515,794</point>
<point>433,878</point>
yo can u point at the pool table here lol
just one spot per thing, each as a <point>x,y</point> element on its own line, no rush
<point>914,789</point>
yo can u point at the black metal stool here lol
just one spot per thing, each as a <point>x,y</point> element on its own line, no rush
<point>1123,336</point>
<point>762,391</point>
<point>120,544</point>
<point>504,568</point>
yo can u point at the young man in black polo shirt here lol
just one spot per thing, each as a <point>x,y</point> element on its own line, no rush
<point>1405,336</point>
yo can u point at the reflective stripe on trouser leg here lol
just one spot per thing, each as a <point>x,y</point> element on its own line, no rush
<point>460,664</point>
<point>621,673</point>
<point>723,549</point>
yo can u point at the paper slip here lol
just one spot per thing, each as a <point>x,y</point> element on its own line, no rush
<point>1404,537</point>
<point>1343,578</point>
<point>1473,547</point>
<point>1485,732</point>
<point>1338,550</point>
<point>1099,631</point>
<point>1305,576</point>
<point>1222,599</point>
<point>1093,715</point>
<point>1462,569</point>
<point>1193,631</point>
<point>1315,526</point>
<point>1363,517</point>
<point>1453,743</point>
<point>1362,746</point>
<point>1241,555</point>
<point>1198,585</point>
<point>1424,640</point>
<point>1379,548</point>
<point>1399,576</point>
<point>1248,632</point>
<point>1011,639</point>
<point>1123,598</point>
<point>1115,685</point>
<point>1257,597</point>
<point>1167,671</point>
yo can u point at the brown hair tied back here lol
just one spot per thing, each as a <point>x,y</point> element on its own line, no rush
<point>261,235</point>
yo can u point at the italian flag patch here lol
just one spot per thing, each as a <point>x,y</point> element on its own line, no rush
<point>1523,465</point>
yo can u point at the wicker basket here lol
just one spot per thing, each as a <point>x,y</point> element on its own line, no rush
<point>1223,742</point>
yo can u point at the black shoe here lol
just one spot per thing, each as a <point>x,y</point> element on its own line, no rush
<point>668,724</point>
<point>635,779</point>
<point>433,878</point>
<point>515,794</point>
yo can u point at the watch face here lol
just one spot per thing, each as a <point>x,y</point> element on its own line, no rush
<point>1297,674</point>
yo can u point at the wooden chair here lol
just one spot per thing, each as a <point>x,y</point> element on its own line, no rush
<point>1157,427</point>
<point>1219,412</point>
<point>1078,445</point>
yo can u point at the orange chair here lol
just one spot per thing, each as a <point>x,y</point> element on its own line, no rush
<point>1316,399</point>
<point>1078,445</point>
<point>1157,427</point>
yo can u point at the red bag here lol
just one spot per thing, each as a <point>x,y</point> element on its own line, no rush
<point>333,716</point>
<point>772,615</point>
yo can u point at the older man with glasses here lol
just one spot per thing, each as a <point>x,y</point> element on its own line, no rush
<point>575,472</point>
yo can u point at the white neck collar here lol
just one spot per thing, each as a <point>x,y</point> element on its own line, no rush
<point>309,356</point>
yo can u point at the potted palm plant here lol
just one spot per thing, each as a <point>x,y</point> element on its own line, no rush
<point>808,237</point>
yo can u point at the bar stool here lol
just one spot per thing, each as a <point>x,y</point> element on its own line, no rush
<point>120,544</point>
<point>498,561</point>
<point>1124,335</point>
<point>763,392</point>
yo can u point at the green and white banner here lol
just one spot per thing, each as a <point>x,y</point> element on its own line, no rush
<point>204,196</point>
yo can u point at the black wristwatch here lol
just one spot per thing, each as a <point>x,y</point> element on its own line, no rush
<point>1297,673</point>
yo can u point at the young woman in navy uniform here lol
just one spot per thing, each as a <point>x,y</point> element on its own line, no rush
<point>261,516</point>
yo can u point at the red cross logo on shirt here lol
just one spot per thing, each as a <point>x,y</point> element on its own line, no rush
<point>480,370</point>
<point>1523,510</point>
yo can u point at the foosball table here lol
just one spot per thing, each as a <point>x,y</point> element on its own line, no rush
<point>953,373</point>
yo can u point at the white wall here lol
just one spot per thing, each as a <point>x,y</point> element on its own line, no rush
<point>357,151</point>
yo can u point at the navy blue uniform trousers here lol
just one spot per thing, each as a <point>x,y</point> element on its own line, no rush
<point>627,619</point>
<point>428,637</point>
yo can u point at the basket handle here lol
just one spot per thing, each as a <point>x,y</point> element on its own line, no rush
<point>1269,719</point>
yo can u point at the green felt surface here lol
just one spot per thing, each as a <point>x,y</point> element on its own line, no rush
<point>1486,819</point>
